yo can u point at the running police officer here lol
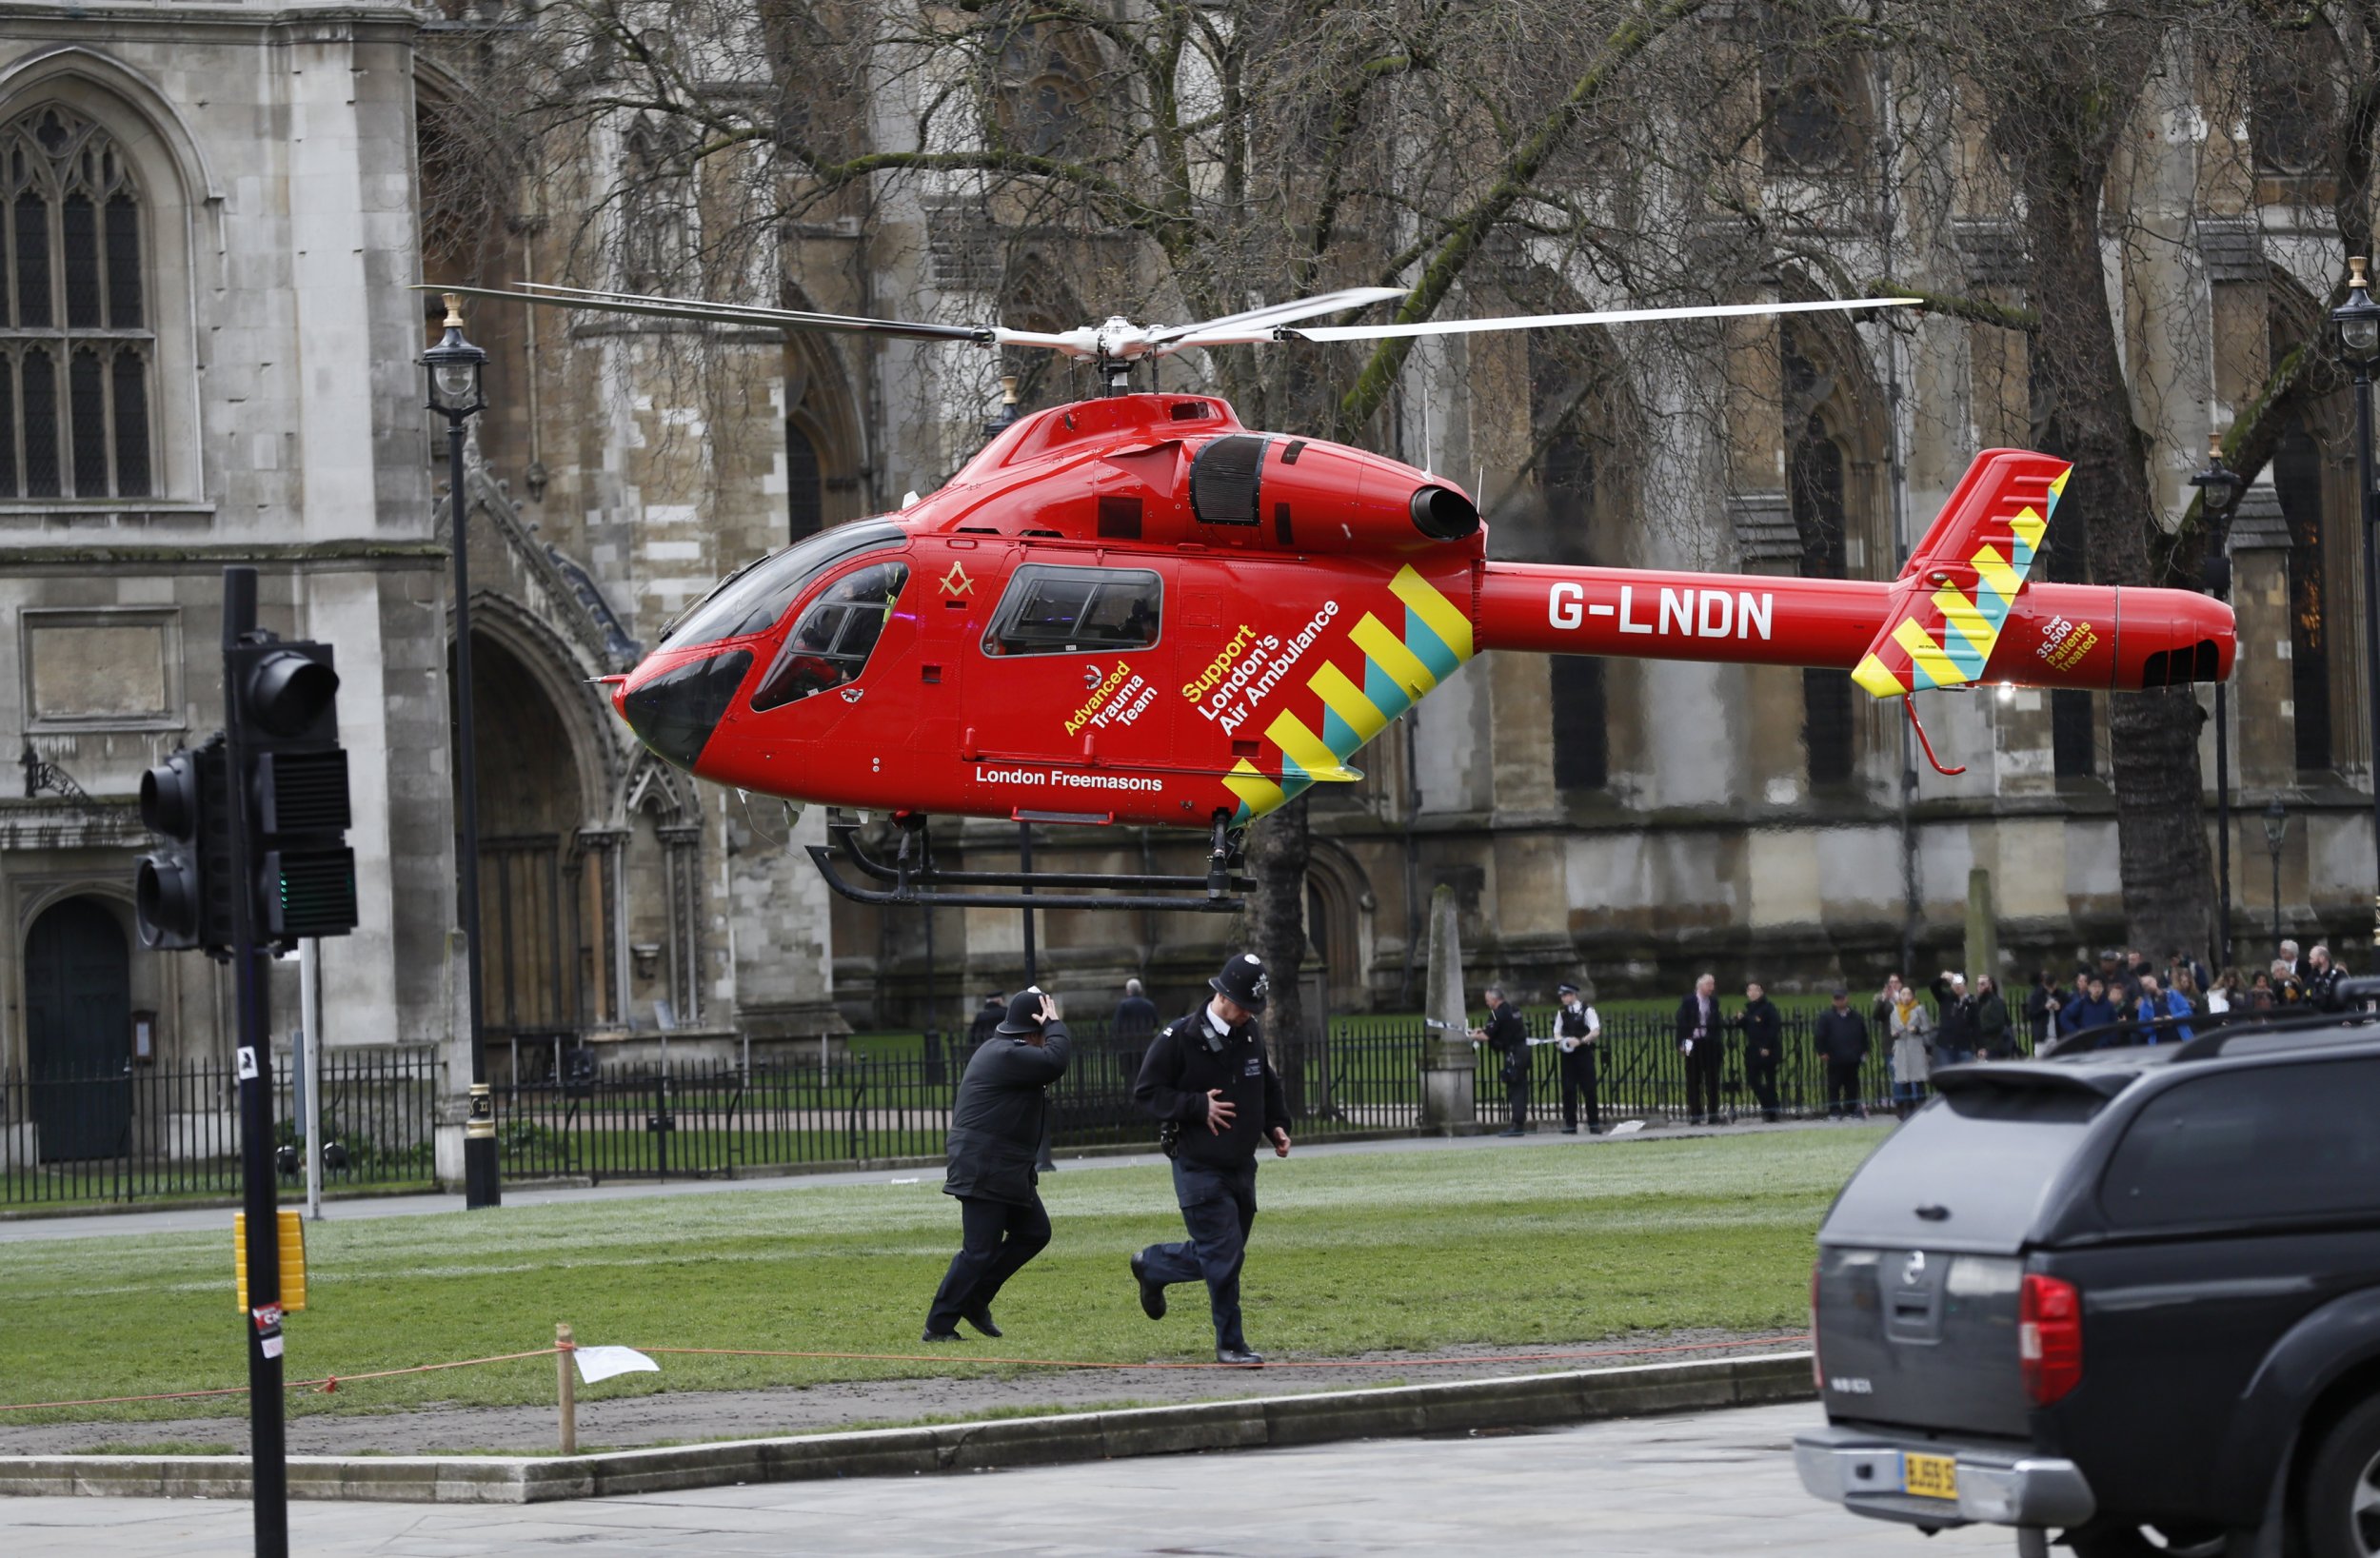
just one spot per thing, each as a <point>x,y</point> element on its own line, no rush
<point>1577,1028</point>
<point>995,1128</point>
<point>1207,1080</point>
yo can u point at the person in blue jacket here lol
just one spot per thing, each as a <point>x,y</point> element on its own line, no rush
<point>2157,1002</point>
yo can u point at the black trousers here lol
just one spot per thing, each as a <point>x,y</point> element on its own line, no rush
<point>1760,1075</point>
<point>1218,1209</point>
<point>1842,1088</point>
<point>1516,1092</point>
<point>1702,1081</point>
<point>1577,1077</point>
<point>995,1238</point>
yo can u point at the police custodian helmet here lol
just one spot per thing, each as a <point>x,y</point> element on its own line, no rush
<point>1024,1014</point>
<point>1242,982</point>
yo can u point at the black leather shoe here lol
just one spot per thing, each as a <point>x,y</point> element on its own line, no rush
<point>1152,1293</point>
<point>982,1320</point>
<point>1570,1130</point>
<point>1512,1133</point>
<point>941,1336</point>
<point>1239,1356</point>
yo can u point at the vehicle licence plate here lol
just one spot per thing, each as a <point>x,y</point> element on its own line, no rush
<point>1929,1477</point>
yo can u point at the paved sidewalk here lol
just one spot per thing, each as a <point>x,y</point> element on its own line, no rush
<point>211,1219</point>
<point>1664,1487</point>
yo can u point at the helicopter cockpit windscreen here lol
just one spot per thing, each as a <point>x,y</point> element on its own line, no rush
<point>753,598</point>
<point>832,642</point>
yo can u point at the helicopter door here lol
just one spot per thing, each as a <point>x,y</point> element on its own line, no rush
<point>953,598</point>
<point>847,646</point>
<point>1077,658</point>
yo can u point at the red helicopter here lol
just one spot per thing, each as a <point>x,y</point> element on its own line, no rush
<point>1133,609</point>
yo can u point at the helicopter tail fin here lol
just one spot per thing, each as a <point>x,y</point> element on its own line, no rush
<point>1951,599</point>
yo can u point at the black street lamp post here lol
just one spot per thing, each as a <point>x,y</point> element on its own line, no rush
<point>2277,827</point>
<point>2355,337</point>
<point>2220,486</point>
<point>455,369</point>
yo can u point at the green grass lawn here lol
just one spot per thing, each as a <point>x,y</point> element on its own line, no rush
<point>1351,1254</point>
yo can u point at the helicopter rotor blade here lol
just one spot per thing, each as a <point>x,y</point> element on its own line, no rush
<point>726,313</point>
<point>1255,325</point>
<point>1605,316</point>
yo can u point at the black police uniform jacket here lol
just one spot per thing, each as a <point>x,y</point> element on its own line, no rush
<point>1509,1036</point>
<point>1187,1060</point>
<point>996,1122</point>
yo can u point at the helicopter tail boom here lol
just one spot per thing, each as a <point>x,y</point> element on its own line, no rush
<point>2052,636</point>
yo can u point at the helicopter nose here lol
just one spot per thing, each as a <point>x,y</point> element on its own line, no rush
<point>674,710</point>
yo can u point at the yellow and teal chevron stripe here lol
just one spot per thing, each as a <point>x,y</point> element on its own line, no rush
<point>1399,668</point>
<point>1954,653</point>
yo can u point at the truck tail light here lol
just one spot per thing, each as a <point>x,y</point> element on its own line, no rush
<point>1818,1369</point>
<point>2048,1337</point>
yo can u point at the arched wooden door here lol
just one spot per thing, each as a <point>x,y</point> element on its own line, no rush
<point>78,1029</point>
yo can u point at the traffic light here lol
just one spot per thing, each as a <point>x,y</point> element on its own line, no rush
<point>285,697</point>
<point>181,890</point>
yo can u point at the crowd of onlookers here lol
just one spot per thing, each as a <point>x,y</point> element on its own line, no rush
<point>1952,1021</point>
<point>1965,1023</point>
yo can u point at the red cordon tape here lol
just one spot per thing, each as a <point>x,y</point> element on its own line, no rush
<point>330,1383</point>
<point>327,1384</point>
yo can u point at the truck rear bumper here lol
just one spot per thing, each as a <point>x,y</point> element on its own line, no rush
<point>1860,1470</point>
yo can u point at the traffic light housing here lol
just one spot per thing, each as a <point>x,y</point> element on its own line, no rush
<point>182,889</point>
<point>285,701</point>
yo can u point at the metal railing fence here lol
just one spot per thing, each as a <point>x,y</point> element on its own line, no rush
<point>144,1132</point>
<point>164,1131</point>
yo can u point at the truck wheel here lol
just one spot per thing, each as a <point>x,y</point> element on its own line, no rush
<point>2341,1516</point>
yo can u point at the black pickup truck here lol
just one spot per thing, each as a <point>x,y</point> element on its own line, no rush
<point>2128,1294</point>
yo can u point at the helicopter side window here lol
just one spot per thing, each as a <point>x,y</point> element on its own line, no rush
<point>754,596</point>
<point>832,642</point>
<point>1053,610</point>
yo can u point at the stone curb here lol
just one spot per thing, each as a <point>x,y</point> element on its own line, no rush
<point>1455,1406</point>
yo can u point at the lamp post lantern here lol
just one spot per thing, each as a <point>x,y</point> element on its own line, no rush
<point>2355,339</point>
<point>2219,487</point>
<point>2277,827</point>
<point>456,368</point>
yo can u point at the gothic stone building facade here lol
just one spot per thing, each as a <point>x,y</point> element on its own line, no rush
<point>208,347</point>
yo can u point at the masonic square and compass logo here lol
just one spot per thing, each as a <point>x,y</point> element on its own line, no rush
<point>956,583</point>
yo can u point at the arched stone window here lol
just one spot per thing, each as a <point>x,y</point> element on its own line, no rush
<point>806,485</point>
<point>657,217</point>
<point>1813,99</point>
<point>2296,101</point>
<point>78,352</point>
<point>1563,407</point>
<point>1045,97</point>
<point>1832,438</point>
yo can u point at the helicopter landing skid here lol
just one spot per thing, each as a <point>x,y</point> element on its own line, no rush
<point>912,877</point>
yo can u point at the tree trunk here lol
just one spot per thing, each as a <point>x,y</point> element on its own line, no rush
<point>2165,863</point>
<point>1279,846</point>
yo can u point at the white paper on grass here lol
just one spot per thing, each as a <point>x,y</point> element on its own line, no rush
<point>602,1362</point>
